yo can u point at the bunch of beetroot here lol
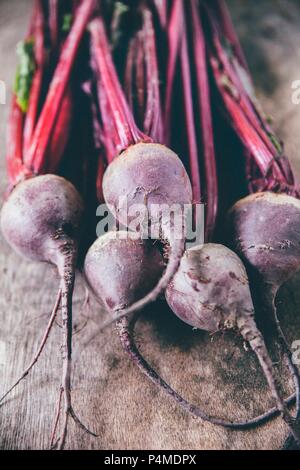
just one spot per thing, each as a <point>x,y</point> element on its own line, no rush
<point>160,80</point>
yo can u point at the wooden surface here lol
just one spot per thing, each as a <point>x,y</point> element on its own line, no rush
<point>109,394</point>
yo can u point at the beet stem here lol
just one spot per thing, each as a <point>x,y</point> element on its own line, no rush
<point>247,102</point>
<point>40,348</point>
<point>210,167</point>
<point>153,125</point>
<point>127,132</point>
<point>174,31</point>
<point>189,115</point>
<point>14,154</point>
<point>226,24</point>
<point>125,329</point>
<point>128,76</point>
<point>140,76</point>
<point>60,81</point>
<point>36,87</point>
<point>30,31</point>
<point>243,111</point>
<point>247,134</point>
<point>162,10</point>
<point>53,22</point>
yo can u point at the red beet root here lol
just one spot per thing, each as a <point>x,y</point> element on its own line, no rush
<point>41,221</point>
<point>120,269</point>
<point>267,233</point>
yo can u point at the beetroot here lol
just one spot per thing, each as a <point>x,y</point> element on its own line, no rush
<point>120,269</point>
<point>271,253</point>
<point>211,292</point>
<point>41,219</point>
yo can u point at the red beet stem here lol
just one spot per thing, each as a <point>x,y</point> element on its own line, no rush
<point>75,5</point>
<point>140,77</point>
<point>47,120</point>
<point>126,131</point>
<point>153,125</point>
<point>228,30</point>
<point>97,148</point>
<point>32,19</point>
<point>240,122</point>
<point>53,23</point>
<point>99,182</point>
<point>174,32</point>
<point>279,165</point>
<point>39,34</point>
<point>208,147</point>
<point>60,135</point>
<point>162,10</point>
<point>234,85</point>
<point>128,76</point>
<point>36,87</point>
<point>240,83</point>
<point>14,153</point>
<point>263,157</point>
<point>108,134</point>
<point>15,134</point>
<point>189,115</point>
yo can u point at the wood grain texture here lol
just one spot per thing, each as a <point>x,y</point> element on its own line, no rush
<point>109,394</point>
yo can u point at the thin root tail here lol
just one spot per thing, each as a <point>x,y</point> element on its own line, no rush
<point>125,328</point>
